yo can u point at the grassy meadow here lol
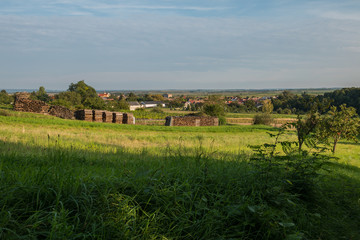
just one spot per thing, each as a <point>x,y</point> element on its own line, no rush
<point>64,179</point>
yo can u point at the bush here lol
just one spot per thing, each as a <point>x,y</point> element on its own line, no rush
<point>6,113</point>
<point>157,110</point>
<point>264,119</point>
<point>222,120</point>
<point>214,110</point>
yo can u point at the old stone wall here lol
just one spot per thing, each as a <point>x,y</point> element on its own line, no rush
<point>128,118</point>
<point>191,121</point>
<point>107,117</point>
<point>97,115</point>
<point>61,112</point>
<point>84,114</point>
<point>21,95</point>
<point>28,105</point>
<point>117,117</point>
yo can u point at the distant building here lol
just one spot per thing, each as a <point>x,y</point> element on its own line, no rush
<point>134,105</point>
<point>152,104</point>
<point>167,95</point>
<point>145,104</point>
<point>104,95</point>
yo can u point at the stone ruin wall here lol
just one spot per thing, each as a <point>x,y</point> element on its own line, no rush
<point>107,117</point>
<point>97,115</point>
<point>191,121</point>
<point>117,117</point>
<point>84,114</point>
<point>61,112</point>
<point>24,104</point>
<point>128,118</point>
<point>104,116</point>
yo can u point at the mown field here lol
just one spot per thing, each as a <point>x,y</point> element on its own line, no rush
<point>63,179</point>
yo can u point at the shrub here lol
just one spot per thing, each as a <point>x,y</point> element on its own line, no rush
<point>214,110</point>
<point>6,113</point>
<point>157,110</point>
<point>264,119</point>
<point>222,120</point>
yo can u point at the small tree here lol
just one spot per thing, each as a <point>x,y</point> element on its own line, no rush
<point>5,98</point>
<point>263,118</point>
<point>340,124</point>
<point>305,128</point>
<point>40,95</point>
<point>267,106</point>
<point>215,110</point>
<point>89,97</point>
<point>131,97</point>
<point>68,99</point>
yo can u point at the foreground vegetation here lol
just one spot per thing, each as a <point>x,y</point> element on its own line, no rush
<point>63,179</point>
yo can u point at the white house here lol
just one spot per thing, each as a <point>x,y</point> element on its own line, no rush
<point>134,105</point>
<point>152,104</point>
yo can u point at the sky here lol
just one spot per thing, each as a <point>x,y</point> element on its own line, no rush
<point>173,44</point>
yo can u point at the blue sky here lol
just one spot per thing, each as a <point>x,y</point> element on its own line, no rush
<point>169,44</point>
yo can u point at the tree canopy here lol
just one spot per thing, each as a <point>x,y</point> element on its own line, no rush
<point>338,124</point>
<point>80,95</point>
<point>5,98</point>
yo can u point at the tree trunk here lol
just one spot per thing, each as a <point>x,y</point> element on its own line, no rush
<point>334,147</point>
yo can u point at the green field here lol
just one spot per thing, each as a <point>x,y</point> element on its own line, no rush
<point>64,179</point>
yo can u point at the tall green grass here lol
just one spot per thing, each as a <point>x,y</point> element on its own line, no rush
<point>75,180</point>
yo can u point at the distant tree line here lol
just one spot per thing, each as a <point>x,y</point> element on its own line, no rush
<point>289,103</point>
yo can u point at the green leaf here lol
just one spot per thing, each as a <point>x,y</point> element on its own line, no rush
<point>287,224</point>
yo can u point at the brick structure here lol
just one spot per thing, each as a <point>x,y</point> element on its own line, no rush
<point>117,117</point>
<point>128,118</point>
<point>61,112</point>
<point>84,114</point>
<point>191,121</point>
<point>24,104</point>
<point>98,115</point>
<point>107,117</point>
<point>21,95</point>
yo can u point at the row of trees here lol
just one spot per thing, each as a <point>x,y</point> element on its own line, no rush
<point>300,104</point>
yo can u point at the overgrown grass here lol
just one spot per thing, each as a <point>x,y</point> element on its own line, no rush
<point>64,179</point>
<point>6,106</point>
